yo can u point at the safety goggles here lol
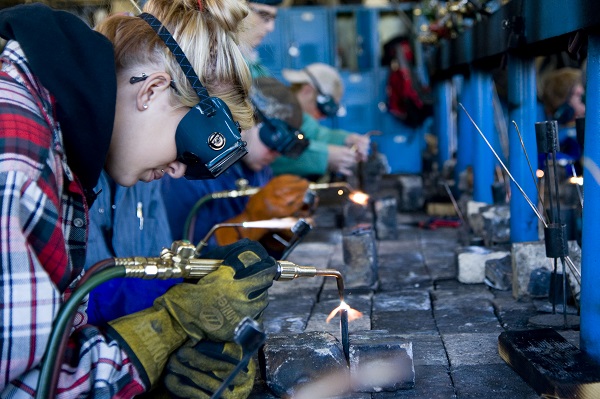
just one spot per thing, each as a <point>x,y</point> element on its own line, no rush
<point>281,137</point>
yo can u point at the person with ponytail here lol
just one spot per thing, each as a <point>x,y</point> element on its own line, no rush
<point>140,97</point>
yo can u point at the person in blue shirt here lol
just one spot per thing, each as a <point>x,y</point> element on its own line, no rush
<point>275,103</point>
<point>126,222</point>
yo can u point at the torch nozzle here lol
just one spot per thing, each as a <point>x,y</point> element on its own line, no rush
<point>325,186</point>
<point>180,262</point>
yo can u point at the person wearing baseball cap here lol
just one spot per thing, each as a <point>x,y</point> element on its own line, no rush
<point>332,150</point>
<point>319,89</point>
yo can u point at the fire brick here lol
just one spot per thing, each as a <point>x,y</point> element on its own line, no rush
<point>287,315</point>
<point>386,223</point>
<point>360,257</point>
<point>380,361</point>
<point>290,361</point>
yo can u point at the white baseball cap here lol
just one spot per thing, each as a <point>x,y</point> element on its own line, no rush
<point>322,77</point>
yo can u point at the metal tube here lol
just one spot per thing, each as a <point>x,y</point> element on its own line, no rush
<point>522,98</point>
<point>483,165</point>
<point>442,114</point>
<point>465,132</point>
<point>590,256</point>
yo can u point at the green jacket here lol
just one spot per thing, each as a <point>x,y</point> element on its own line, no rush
<point>313,160</point>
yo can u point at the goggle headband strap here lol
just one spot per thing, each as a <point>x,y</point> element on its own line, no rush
<point>205,103</point>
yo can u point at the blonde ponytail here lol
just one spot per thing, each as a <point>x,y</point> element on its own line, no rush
<point>207,33</point>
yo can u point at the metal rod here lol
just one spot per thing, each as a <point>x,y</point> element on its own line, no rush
<point>564,281</point>
<point>577,186</point>
<point>576,272</point>
<point>345,334</point>
<point>533,207</point>
<point>535,181</point>
<point>558,218</point>
<point>458,212</point>
<point>553,285</point>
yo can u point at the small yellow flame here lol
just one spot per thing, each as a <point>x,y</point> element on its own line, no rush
<point>353,314</point>
<point>576,180</point>
<point>359,197</point>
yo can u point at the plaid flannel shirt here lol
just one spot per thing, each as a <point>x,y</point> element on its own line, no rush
<point>43,234</point>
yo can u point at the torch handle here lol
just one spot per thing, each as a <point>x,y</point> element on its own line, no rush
<point>194,268</point>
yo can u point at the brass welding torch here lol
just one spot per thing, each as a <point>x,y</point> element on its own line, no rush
<point>180,262</point>
<point>243,189</point>
<point>177,262</point>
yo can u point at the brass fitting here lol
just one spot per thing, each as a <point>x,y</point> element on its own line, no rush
<point>180,262</point>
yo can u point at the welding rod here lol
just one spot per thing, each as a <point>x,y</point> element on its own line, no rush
<point>533,207</point>
<point>277,223</point>
<point>570,263</point>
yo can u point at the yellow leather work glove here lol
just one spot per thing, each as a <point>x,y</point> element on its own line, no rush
<point>197,371</point>
<point>210,309</point>
<point>281,197</point>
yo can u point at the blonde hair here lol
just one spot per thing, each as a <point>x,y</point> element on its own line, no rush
<point>557,87</point>
<point>206,31</point>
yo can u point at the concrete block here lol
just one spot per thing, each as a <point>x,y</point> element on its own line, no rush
<point>386,223</point>
<point>529,256</point>
<point>360,257</point>
<point>290,361</point>
<point>498,273</point>
<point>410,193</point>
<point>380,361</point>
<point>496,224</point>
<point>467,320</point>
<point>287,314</point>
<point>471,263</point>
<point>474,216</point>
<point>405,322</point>
<point>469,349</point>
<point>431,382</point>
<point>490,381</point>
<point>402,300</point>
<point>539,283</point>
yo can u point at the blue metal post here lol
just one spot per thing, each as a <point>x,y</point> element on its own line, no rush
<point>522,100</point>
<point>466,133</point>
<point>483,115</point>
<point>442,119</point>
<point>590,242</point>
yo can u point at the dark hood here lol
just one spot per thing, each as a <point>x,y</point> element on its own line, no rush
<point>76,65</point>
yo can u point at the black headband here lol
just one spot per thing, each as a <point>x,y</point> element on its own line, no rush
<point>205,104</point>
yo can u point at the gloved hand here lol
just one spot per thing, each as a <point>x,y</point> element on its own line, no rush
<point>197,371</point>
<point>281,197</point>
<point>210,309</point>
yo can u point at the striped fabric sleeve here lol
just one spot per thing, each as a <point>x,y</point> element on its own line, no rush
<point>42,243</point>
<point>31,302</point>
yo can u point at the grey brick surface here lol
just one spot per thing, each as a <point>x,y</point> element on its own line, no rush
<point>453,327</point>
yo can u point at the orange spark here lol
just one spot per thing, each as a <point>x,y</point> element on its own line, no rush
<point>359,197</point>
<point>353,314</point>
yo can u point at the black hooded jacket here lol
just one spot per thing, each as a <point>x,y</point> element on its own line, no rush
<point>76,65</point>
